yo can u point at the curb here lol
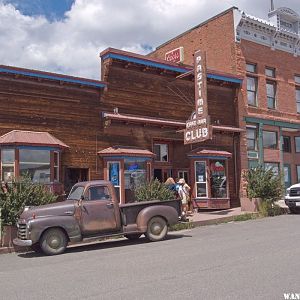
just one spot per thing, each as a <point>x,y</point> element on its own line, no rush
<point>214,221</point>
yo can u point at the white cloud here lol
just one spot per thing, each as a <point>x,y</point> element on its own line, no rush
<point>72,46</point>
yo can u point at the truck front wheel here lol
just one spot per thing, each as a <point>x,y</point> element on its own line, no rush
<point>157,229</point>
<point>53,241</point>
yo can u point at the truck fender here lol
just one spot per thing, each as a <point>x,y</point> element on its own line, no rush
<point>167,212</point>
<point>39,225</point>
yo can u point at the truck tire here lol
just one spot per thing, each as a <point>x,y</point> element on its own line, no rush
<point>157,229</point>
<point>53,241</point>
<point>133,237</point>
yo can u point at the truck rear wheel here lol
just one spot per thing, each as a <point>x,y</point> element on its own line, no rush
<point>54,241</point>
<point>157,229</point>
<point>133,237</point>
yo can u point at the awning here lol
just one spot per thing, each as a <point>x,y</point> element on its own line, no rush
<point>125,151</point>
<point>30,138</point>
<point>204,153</point>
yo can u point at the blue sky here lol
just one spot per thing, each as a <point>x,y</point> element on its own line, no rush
<point>51,9</point>
<point>66,36</point>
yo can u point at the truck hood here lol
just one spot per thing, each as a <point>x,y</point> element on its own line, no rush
<point>297,185</point>
<point>65,208</point>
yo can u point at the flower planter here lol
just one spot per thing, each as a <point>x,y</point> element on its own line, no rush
<point>8,234</point>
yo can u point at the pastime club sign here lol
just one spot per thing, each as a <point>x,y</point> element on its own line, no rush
<point>198,128</point>
<point>175,55</point>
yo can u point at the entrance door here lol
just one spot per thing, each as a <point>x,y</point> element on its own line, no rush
<point>74,175</point>
<point>162,174</point>
<point>98,213</point>
<point>287,175</point>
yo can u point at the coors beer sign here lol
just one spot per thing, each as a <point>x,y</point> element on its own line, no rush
<point>198,128</point>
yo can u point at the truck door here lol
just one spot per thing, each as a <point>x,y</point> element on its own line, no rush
<point>98,212</point>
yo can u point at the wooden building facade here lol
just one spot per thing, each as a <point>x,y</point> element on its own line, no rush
<point>126,128</point>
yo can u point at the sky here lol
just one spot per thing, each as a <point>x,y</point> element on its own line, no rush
<point>66,36</point>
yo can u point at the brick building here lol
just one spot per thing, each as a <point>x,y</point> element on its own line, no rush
<point>267,55</point>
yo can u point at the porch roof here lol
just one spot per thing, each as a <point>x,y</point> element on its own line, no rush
<point>209,153</point>
<point>30,138</point>
<point>125,151</point>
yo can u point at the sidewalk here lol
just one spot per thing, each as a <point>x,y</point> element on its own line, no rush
<point>198,219</point>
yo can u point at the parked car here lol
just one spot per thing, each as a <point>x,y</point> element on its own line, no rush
<point>292,198</point>
<point>93,211</point>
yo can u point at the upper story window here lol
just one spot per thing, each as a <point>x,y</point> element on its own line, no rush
<point>7,164</point>
<point>270,139</point>
<point>270,72</point>
<point>297,79</point>
<point>251,68</point>
<point>161,152</point>
<point>286,146</point>
<point>297,143</point>
<point>298,100</point>
<point>251,90</point>
<point>271,94</point>
<point>251,138</point>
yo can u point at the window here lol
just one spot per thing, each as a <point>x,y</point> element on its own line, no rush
<point>251,90</point>
<point>270,139</point>
<point>114,176</point>
<point>251,68</point>
<point>298,100</point>
<point>273,166</point>
<point>161,152</point>
<point>98,193</point>
<point>271,92</point>
<point>36,163</point>
<point>251,138</point>
<point>286,146</point>
<point>270,72</point>
<point>218,180</point>
<point>297,79</point>
<point>7,164</point>
<point>56,166</point>
<point>183,174</point>
<point>252,163</point>
<point>76,193</point>
<point>298,173</point>
<point>297,143</point>
<point>200,175</point>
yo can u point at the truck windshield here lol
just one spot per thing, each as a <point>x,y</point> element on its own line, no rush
<point>76,193</point>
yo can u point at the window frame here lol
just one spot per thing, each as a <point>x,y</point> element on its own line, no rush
<point>298,173</point>
<point>272,70</point>
<point>295,138</point>
<point>297,79</point>
<point>297,96</point>
<point>56,168</point>
<point>252,65</point>
<point>160,158</point>
<point>254,128</point>
<point>273,98</point>
<point>252,91</point>
<point>10,164</point>
<point>202,182</point>
<point>276,135</point>
<point>284,137</point>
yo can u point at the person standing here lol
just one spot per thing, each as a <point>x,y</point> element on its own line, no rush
<point>184,194</point>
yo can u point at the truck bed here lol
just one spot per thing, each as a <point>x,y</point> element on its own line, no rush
<point>130,211</point>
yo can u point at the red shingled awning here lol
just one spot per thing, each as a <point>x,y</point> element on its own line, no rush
<point>209,153</point>
<point>31,138</point>
<point>125,151</point>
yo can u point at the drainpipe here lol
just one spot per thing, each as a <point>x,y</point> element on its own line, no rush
<point>260,143</point>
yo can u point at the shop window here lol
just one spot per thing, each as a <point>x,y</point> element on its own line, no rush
<point>218,179</point>
<point>200,176</point>
<point>297,143</point>
<point>298,174</point>
<point>251,90</point>
<point>7,164</point>
<point>36,163</point>
<point>135,174</point>
<point>270,72</point>
<point>271,94</point>
<point>251,138</point>
<point>161,152</point>
<point>270,139</point>
<point>273,166</point>
<point>114,176</point>
<point>251,68</point>
<point>56,166</point>
<point>252,163</point>
<point>298,100</point>
<point>286,146</point>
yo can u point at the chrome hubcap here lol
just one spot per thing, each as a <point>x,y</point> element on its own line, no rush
<point>156,228</point>
<point>54,242</point>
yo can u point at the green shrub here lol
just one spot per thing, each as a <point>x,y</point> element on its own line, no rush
<point>14,196</point>
<point>153,190</point>
<point>264,184</point>
<point>245,217</point>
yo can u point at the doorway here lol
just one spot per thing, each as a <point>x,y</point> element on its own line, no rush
<point>162,174</point>
<point>74,175</point>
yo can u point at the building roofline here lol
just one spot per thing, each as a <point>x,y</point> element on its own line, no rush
<point>197,26</point>
<point>162,64</point>
<point>52,76</point>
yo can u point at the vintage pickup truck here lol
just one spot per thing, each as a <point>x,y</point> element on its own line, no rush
<point>92,211</point>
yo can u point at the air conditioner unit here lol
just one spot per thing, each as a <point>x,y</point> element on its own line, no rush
<point>253,154</point>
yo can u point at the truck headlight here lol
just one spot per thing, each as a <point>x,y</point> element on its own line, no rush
<point>287,193</point>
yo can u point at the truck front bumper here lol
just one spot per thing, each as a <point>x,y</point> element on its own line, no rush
<point>22,243</point>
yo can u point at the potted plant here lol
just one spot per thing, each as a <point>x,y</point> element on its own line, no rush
<point>14,196</point>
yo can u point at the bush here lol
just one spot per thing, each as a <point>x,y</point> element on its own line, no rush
<point>153,190</point>
<point>14,196</point>
<point>264,184</point>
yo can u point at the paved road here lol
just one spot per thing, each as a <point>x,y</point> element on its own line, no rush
<point>258,259</point>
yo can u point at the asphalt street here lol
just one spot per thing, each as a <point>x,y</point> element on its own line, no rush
<point>256,259</point>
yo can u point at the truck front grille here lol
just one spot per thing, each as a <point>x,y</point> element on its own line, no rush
<point>295,192</point>
<point>22,231</point>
